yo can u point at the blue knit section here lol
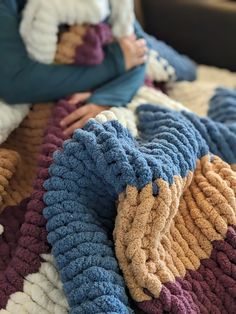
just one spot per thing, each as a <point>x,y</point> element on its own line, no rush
<point>219,137</point>
<point>223,106</point>
<point>169,142</point>
<point>219,130</point>
<point>86,179</point>
<point>94,167</point>
<point>185,68</point>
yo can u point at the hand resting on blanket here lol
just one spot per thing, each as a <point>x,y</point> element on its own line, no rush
<point>78,118</point>
<point>134,54</point>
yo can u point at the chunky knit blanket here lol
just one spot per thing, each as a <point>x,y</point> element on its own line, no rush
<point>41,19</point>
<point>154,211</point>
<point>10,118</point>
<point>137,210</point>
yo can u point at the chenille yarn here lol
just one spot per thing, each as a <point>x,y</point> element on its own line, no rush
<point>195,96</point>
<point>83,44</point>
<point>222,106</point>
<point>10,118</point>
<point>163,57</point>
<point>19,156</point>
<point>104,162</point>
<point>221,77</point>
<point>169,172</point>
<point>127,116</point>
<point>157,179</point>
<point>169,181</point>
<point>30,240</point>
<point>26,258</point>
<point>41,19</point>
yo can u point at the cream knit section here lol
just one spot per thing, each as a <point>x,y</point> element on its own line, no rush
<point>41,20</point>
<point>10,118</point>
<point>158,69</point>
<point>195,95</point>
<point>122,17</point>
<point>127,116</point>
<point>149,95</point>
<point>42,293</point>
<point>221,77</point>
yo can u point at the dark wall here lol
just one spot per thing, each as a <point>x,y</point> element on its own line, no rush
<point>205,30</point>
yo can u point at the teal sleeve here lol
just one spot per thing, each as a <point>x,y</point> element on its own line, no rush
<point>23,80</point>
<point>120,91</point>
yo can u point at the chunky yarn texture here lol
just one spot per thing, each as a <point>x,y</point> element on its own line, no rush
<point>83,44</point>
<point>23,255</point>
<point>10,118</point>
<point>166,192</point>
<point>84,40</point>
<point>137,210</point>
<point>19,157</point>
<point>41,19</point>
<point>176,211</point>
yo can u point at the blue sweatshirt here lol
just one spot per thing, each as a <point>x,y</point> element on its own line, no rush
<point>23,80</point>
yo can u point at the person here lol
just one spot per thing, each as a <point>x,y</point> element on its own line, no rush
<point>112,83</point>
<point>23,80</point>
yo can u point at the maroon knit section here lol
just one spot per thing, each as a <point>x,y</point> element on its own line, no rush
<point>23,250</point>
<point>12,219</point>
<point>210,289</point>
<point>91,52</point>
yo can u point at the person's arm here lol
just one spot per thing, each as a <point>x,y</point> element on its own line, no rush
<point>120,91</point>
<point>23,80</point>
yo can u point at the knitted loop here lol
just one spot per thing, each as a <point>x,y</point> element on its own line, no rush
<point>41,20</point>
<point>176,202</point>
<point>23,257</point>
<point>21,151</point>
<point>10,118</point>
<point>8,164</point>
<point>153,243</point>
<point>83,44</point>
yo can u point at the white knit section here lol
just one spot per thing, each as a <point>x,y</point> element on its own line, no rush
<point>10,118</point>
<point>158,69</point>
<point>122,17</point>
<point>148,95</point>
<point>1,229</point>
<point>42,293</point>
<point>194,95</point>
<point>125,116</point>
<point>221,77</point>
<point>41,19</point>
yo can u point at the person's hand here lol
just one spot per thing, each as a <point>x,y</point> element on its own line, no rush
<point>78,118</point>
<point>134,51</point>
<point>78,97</point>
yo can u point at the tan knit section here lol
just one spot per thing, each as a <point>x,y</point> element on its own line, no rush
<point>233,167</point>
<point>18,156</point>
<point>68,43</point>
<point>9,160</point>
<point>158,238</point>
